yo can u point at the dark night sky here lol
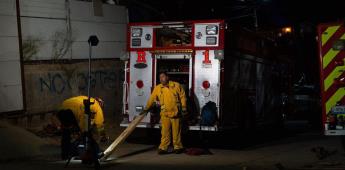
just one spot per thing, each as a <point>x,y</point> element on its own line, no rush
<point>270,13</point>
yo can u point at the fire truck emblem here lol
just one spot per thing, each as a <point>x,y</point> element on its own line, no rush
<point>207,62</point>
<point>141,60</point>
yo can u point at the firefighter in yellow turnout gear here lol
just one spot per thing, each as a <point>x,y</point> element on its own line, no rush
<point>172,100</point>
<point>72,119</point>
<point>76,105</point>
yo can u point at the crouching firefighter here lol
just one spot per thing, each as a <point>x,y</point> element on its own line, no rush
<point>171,99</point>
<point>73,123</point>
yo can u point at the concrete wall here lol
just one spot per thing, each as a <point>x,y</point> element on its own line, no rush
<point>47,85</point>
<point>10,75</point>
<point>55,29</point>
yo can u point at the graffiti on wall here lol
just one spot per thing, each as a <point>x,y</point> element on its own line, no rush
<point>58,82</point>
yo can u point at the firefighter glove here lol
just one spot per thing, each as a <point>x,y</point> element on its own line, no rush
<point>184,111</point>
<point>146,110</point>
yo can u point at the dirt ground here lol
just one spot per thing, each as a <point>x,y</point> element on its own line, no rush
<point>21,149</point>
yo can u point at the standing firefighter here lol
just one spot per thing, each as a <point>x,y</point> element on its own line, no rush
<point>171,98</point>
<point>73,121</point>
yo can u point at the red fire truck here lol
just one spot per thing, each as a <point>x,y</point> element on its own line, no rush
<point>241,76</point>
<point>331,38</point>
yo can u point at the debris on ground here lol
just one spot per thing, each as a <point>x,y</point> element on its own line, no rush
<point>47,131</point>
<point>322,153</point>
<point>197,151</point>
<point>18,143</point>
<point>279,166</point>
<point>329,165</point>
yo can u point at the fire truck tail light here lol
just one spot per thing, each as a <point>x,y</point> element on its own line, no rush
<point>140,84</point>
<point>206,84</point>
<point>136,42</point>
<point>212,30</point>
<point>137,32</point>
<point>211,40</point>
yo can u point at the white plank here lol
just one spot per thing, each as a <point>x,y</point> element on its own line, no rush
<point>123,136</point>
<point>104,31</point>
<point>114,13</point>
<point>10,73</point>
<point>12,98</point>
<point>110,29</point>
<point>43,8</point>
<point>103,50</point>
<point>43,29</point>
<point>46,51</point>
<point>8,7</point>
<point>8,26</point>
<point>9,49</point>
<point>83,11</point>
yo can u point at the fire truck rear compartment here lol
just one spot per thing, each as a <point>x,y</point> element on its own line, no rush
<point>177,69</point>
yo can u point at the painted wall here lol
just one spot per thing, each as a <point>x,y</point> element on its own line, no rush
<point>53,30</point>
<point>10,72</point>
<point>59,30</point>
<point>47,85</point>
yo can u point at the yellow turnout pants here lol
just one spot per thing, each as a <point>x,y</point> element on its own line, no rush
<point>170,126</point>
